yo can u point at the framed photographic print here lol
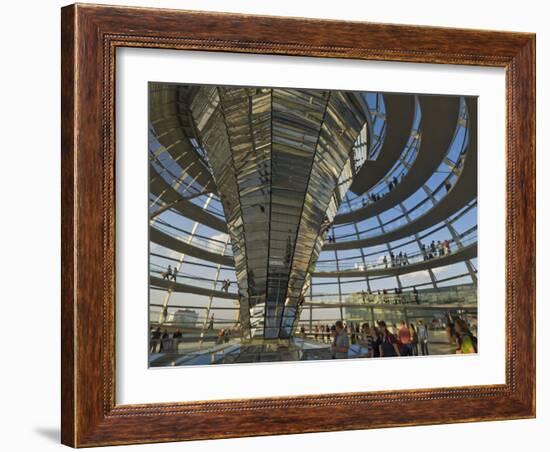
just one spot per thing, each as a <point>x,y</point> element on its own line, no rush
<point>281,225</point>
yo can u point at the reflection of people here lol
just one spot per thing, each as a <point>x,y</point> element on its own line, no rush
<point>288,250</point>
<point>340,344</point>
<point>251,280</point>
<point>211,322</point>
<point>155,339</point>
<point>221,336</point>
<point>163,339</point>
<point>177,337</point>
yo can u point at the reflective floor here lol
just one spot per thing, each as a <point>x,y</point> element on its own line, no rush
<point>301,349</point>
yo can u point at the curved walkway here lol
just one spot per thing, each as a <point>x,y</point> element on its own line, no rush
<point>167,241</point>
<point>438,125</point>
<point>435,137</point>
<point>172,123</point>
<point>468,252</point>
<point>159,187</point>
<point>391,306</point>
<point>399,120</point>
<point>187,288</point>
<point>464,191</point>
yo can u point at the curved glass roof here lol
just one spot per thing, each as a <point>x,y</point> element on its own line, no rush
<point>405,233</point>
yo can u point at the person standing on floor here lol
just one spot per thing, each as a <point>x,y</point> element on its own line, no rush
<point>422,332</point>
<point>414,339</point>
<point>404,336</point>
<point>341,342</point>
<point>387,342</point>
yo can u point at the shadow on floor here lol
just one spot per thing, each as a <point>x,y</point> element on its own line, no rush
<point>50,433</point>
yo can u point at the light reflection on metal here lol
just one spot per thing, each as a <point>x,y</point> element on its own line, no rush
<point>282,160</point>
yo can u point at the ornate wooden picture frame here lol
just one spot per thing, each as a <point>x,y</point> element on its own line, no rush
<point>90,37</point>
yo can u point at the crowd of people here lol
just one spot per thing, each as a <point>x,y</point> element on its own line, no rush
<point>172,273</point>
<point>373,197</point>
<point>381,340</point>
<point>431,251</point>
<point>396,260</point>
<point>162,341</point>
<point>224,335</point>
<point>378,340</point>
<point>386,296</point>
<point>157,339</point>
<point>435,249</point>
<point>391,260</point>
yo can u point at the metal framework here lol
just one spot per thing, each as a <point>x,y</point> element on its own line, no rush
<point>246,185</point>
